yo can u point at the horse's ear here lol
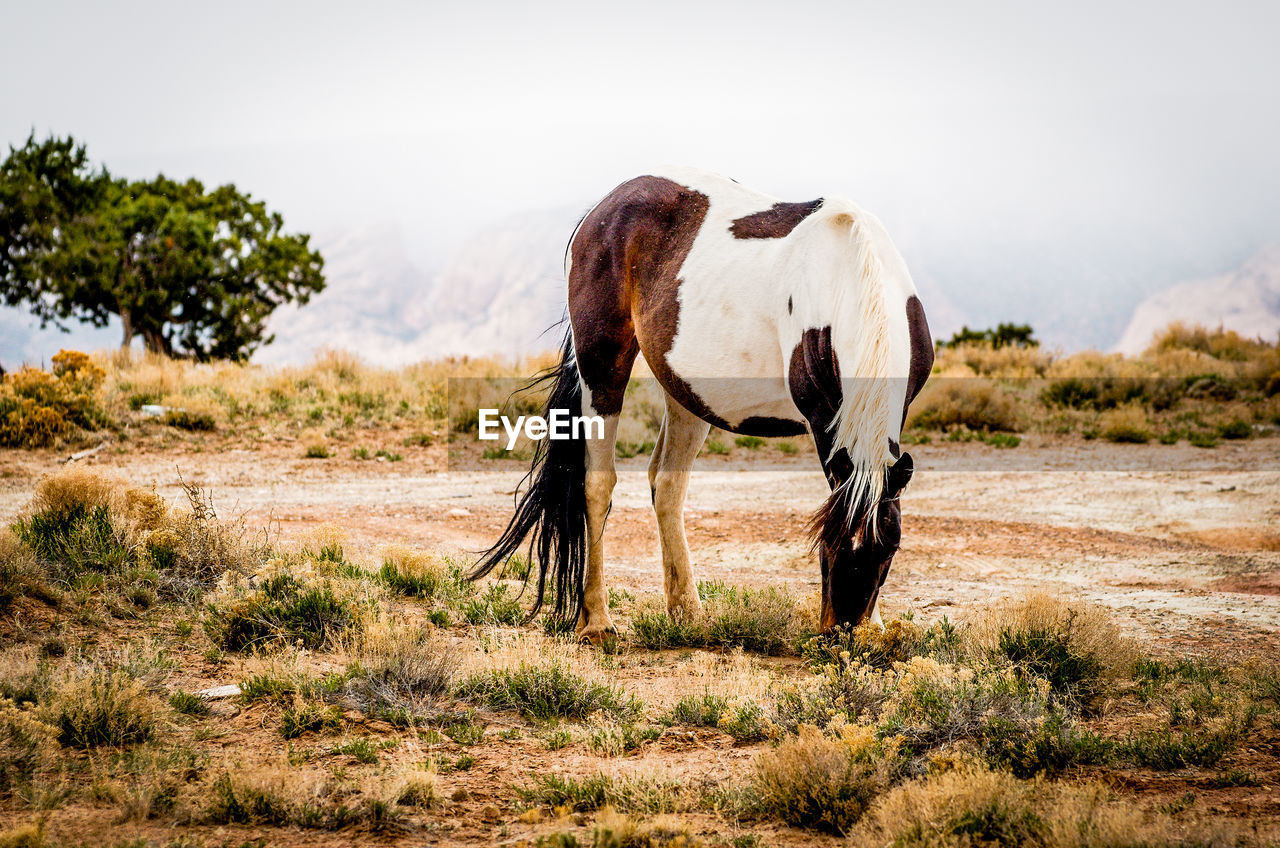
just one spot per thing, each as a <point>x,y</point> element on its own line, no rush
<point>899,476</point>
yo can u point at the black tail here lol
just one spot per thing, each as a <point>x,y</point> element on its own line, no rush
<point>552,512</point>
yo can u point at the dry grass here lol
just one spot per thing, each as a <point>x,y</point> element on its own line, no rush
<point>973,806</point>
<point>84,532</point>
<point>976,403</point>
<point>103,707</point>
<point>334,398</point>
<point>398,667</point>
<point>1126,424</point>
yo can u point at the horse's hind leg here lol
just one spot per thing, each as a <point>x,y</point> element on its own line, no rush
<point>682,435</point>
<point>594,623</point>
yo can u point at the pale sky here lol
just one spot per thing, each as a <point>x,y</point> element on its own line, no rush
<point>1136,142</point>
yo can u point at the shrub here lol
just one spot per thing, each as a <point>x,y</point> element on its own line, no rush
<point>699,710</point>
<point>102,708</point>
<point>741,718</point>
<point>38,408</point>
<point>616,740</point>
<point>188,704</point>
<point>1125,424</point>
<point>1236,428</point>
<point>545,691</point>
<point>1071,644</point>
<point>976,403</point>
<point>1165,751</point>
<point>81,524</point>
<point>819,782</point>
<point>898,641</point>
<point>307,717</point>
<point>284,608</point>
<point>186,419</point>
<point>495,606</point>
<point>614,830</point>
<point>418,574</point>
<point>399,667</point>
<point>1203,439</point>
<point>1221,344</point>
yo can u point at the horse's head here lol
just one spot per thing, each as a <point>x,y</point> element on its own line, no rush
<point>853,570</point>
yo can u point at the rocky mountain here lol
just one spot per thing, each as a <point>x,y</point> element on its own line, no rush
<point>1246,300</point>
<point>497,295</point>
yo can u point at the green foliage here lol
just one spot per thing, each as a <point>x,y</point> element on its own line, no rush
<point>1004,335</point>
<point>749,442</point>
<point>496,606</point>
<point>188,704</point>
<point>408,577</point>
<point>185,419</point>
<point>547,691</point>
<point>192,271</point>
<point>1236,428</point>
<point>557,738</point>
<point>1203,439</point>
<point>744,719</point>
<point>594,792</point>
<point>626,450</point>
<point>74,540</point>
<point>1164,750</point>
<point>283,609</point>
<point>1049,653</point>
<point>621,739</point>
<point>308,716</point>
<point>765,621</point>
<point>361,750</point>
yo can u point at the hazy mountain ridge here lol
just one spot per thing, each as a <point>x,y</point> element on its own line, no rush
<point>1246,300</point>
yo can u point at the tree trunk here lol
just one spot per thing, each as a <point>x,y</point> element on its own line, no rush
<point>157,342</point>
<point>126,320</point>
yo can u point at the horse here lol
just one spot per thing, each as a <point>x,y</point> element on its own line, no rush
<point>758,316</point>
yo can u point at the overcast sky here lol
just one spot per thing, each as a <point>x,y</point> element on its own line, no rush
<point>1147,129</point>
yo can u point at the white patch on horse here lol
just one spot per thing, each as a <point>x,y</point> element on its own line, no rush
<point>739,367</point>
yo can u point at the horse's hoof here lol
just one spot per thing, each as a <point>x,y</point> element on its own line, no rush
<point>597,635</point>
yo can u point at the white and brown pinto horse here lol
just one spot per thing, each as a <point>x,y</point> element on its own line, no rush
<point>761,317</point>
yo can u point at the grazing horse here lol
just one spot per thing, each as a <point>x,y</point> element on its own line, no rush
<point>761,317</point>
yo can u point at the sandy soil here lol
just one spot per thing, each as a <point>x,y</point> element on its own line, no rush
<point>1183,543</point>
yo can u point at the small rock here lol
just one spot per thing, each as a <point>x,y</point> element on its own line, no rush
<point>460,794</point>
<point>490,812</point>
<point>228,691</point>
<point>458,512</point>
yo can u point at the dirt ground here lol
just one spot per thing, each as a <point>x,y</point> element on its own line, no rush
<point>1182,543</point>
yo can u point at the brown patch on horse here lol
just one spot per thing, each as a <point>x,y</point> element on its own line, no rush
<point>775,222</point>
<point>622,280</point>
<point>652,223</point>
<point>921,351</point>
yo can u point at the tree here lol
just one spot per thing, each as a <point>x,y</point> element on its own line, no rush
<point>193,272</point>
<point>1004,335</point>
